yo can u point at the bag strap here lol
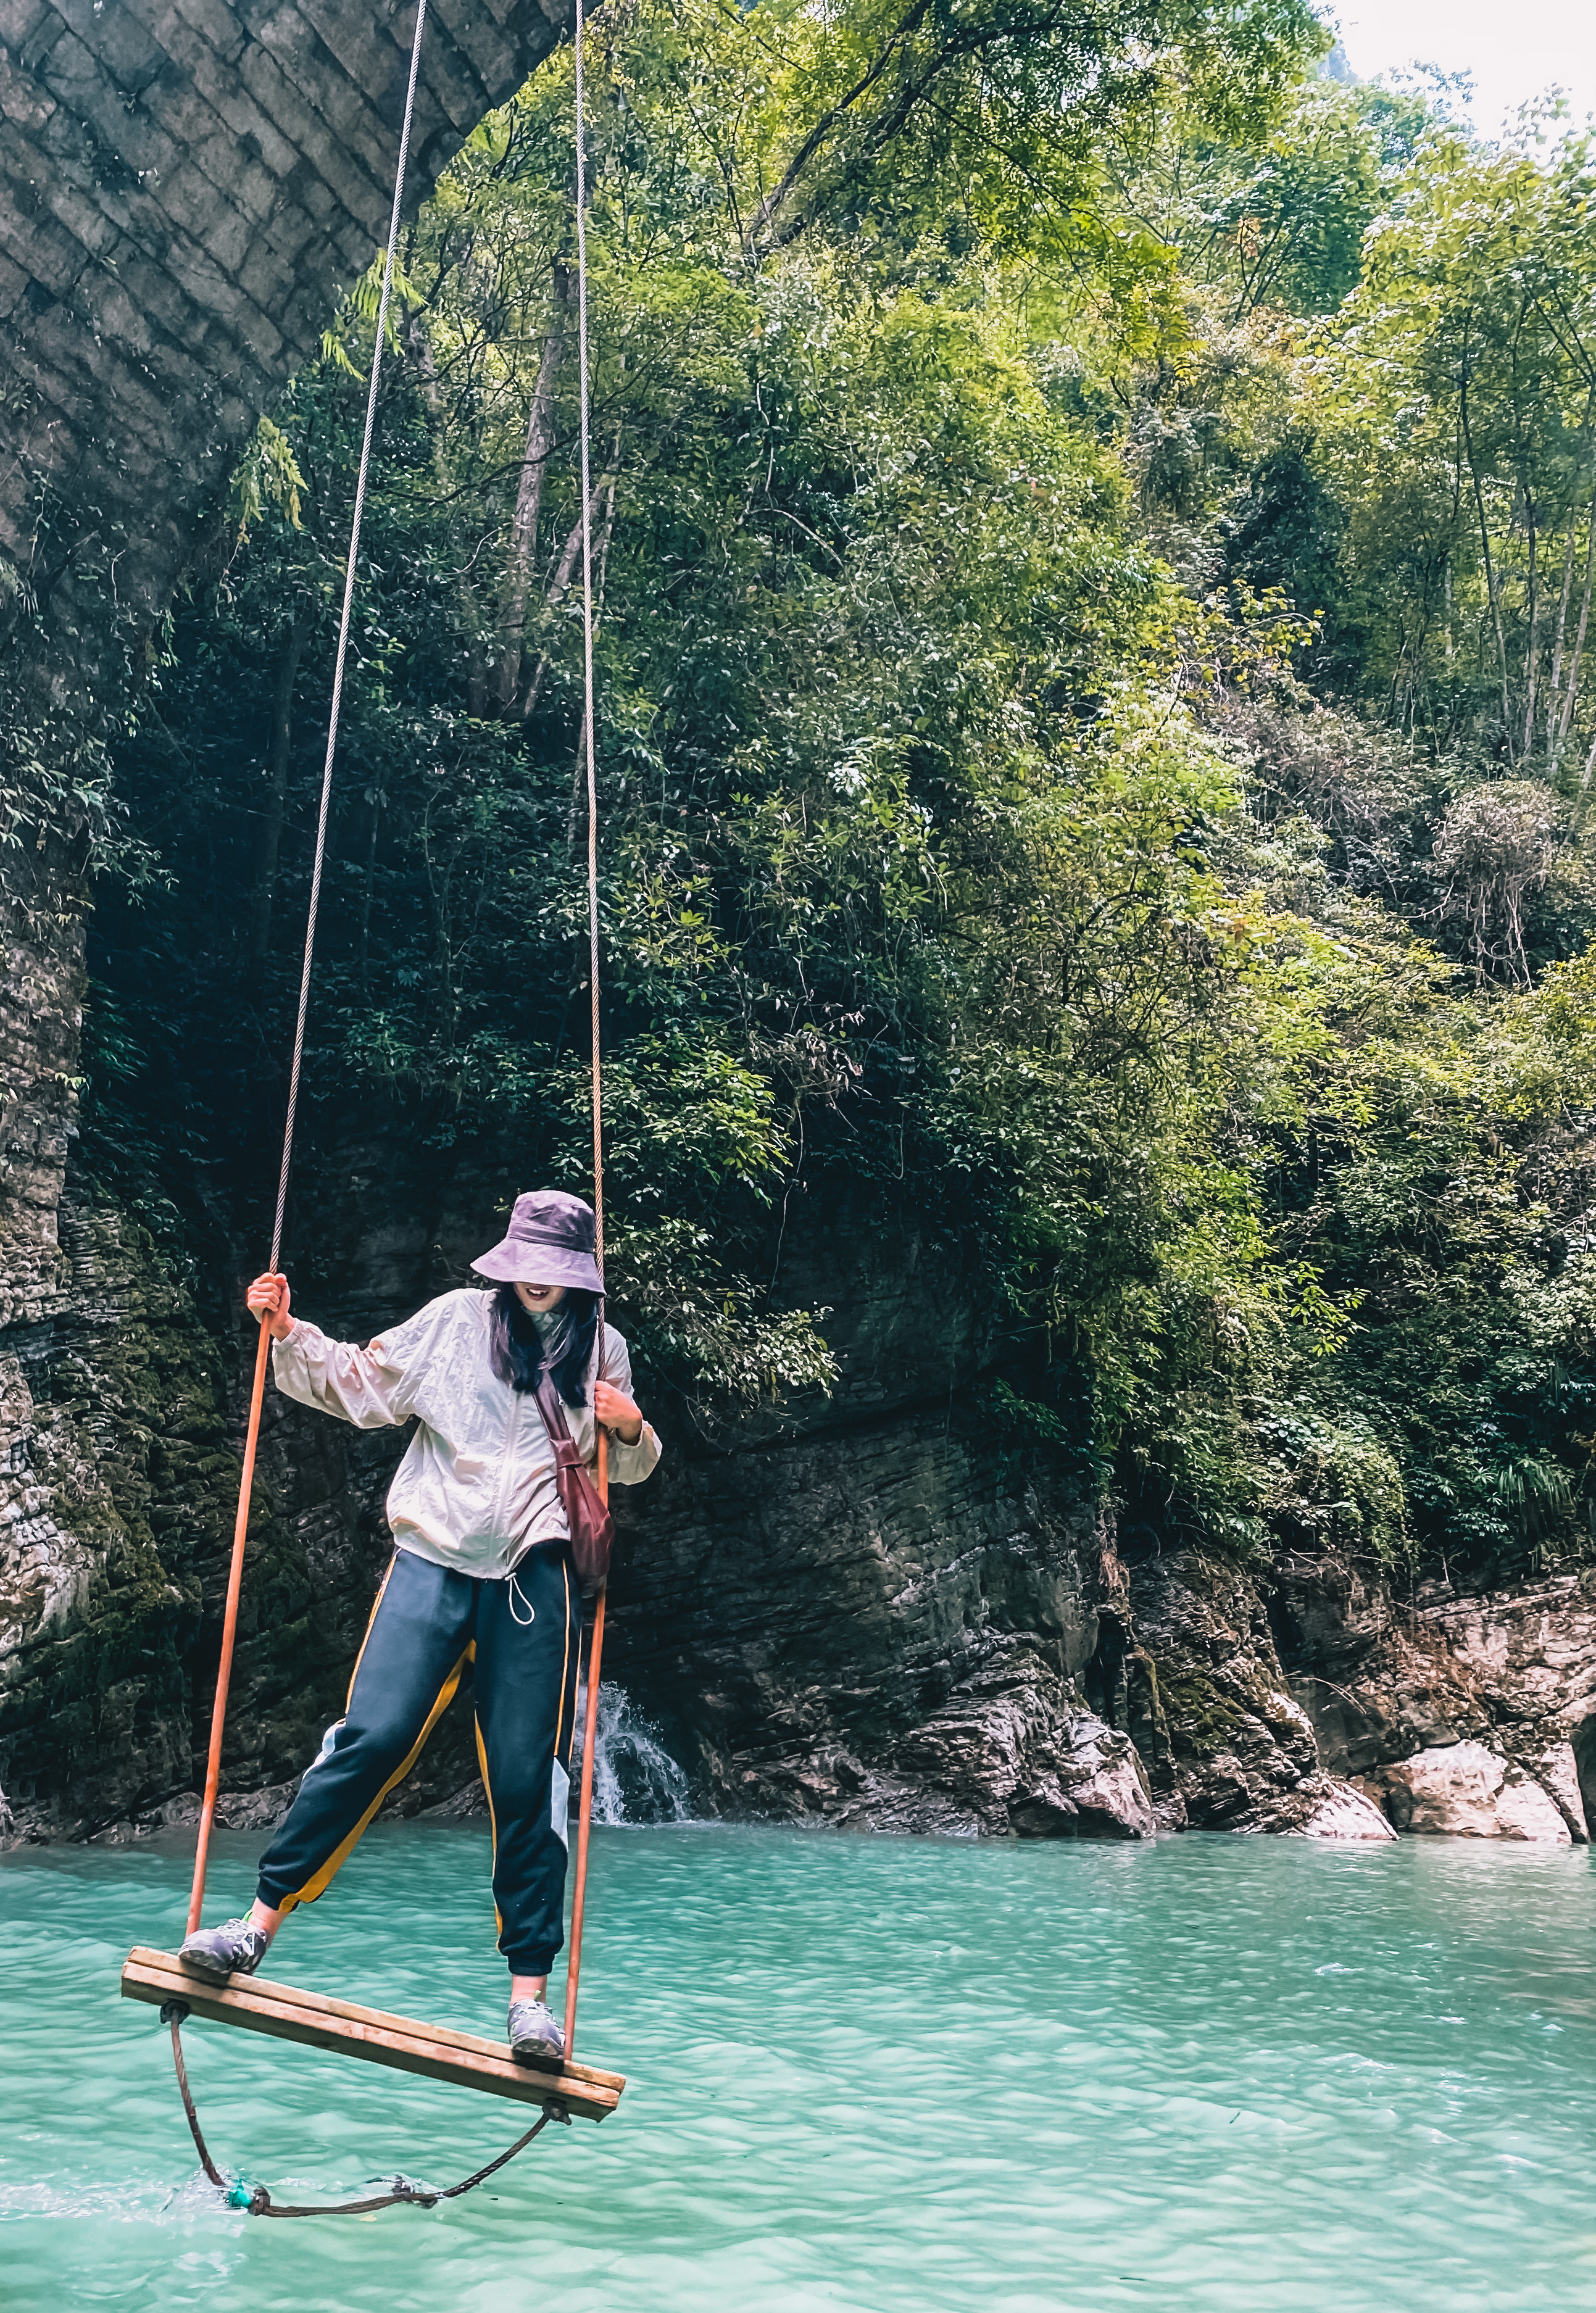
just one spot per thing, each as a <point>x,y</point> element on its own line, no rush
<point>551,1407</point>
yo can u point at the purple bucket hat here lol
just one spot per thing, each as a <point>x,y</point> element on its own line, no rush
<point>550,1241</point>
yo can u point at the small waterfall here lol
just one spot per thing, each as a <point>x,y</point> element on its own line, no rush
<point>635,1779</point>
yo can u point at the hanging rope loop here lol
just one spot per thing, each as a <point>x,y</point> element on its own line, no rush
<point>256,2201</point>
<point>595,1645</point>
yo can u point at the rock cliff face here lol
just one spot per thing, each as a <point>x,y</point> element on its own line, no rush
<point>1306,1697</point>
<point>878,1616</point>
<point>1486,1699</point>
<point>869,1614</point>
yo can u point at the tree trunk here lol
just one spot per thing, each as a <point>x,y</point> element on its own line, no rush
<point>369,886</point>
<point>579,778</point>
<point>420,349</point>
<point>529,496</point>
<point>1532,653</point>
<point>277,793</point>
<point>558,585</point>
<point>1571,690</point>
<point>1485,542</point>
<point>1554,684</point>
<point>574,816</point>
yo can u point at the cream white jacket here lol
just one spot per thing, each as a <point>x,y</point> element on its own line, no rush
<point>476,1489</point>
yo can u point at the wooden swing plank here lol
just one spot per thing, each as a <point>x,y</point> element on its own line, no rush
<point>345,2029</point>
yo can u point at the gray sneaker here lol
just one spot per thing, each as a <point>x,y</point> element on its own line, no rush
<point>236,1948</point>
<point>535,2038</point>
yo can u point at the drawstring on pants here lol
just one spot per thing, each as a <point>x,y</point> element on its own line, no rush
<point>530,1617</point>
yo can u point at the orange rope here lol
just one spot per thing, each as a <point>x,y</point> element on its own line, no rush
<point>573,1966</point>
<point>218,1713</point>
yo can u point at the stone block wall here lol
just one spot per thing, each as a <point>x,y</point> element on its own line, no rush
<point>185,188</point>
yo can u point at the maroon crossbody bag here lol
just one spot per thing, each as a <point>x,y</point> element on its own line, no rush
<point>590,1518</point>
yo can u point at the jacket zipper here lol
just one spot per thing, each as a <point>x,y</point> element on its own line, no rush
<point>512,1428</point>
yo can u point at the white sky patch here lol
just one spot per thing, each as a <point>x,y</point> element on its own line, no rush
<point>1515,52</point>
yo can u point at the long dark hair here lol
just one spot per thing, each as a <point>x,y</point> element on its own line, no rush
<point>516,1347</point>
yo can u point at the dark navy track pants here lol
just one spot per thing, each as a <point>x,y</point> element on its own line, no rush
<point>428,1622</point>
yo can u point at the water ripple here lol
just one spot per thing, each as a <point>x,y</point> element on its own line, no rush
<point>1208,2076</point>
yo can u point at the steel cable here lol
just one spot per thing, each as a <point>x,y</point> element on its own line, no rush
<point>343,636</point>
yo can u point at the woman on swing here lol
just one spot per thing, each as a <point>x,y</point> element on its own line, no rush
<point>481,1572</point>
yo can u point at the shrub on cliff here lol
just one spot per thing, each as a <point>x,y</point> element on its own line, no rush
<point>973,849</point>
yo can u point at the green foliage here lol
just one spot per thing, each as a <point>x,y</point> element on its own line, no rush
<point>267,475</point>
<point>63,821</point>
<point>1005,423</point>
<point>1273,220</point>
<point>1335,1487</point>
<point>1453,400</point>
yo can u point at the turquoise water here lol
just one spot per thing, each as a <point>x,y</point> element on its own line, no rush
<point>1245,2076</point>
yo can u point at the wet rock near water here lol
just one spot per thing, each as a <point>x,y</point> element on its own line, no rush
<point>256,1810</point>
<point>120,1422</point>
<point>1468,1791</point>
<point>875,1613</point>
<point>1376,1680</point>
<point>114,1508</point>
<point>1013,1750</point>
<point>1325,1806</point>
<point>1229,1742</point>
<point>1304,1697</point>
<point>1457,1712</point>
